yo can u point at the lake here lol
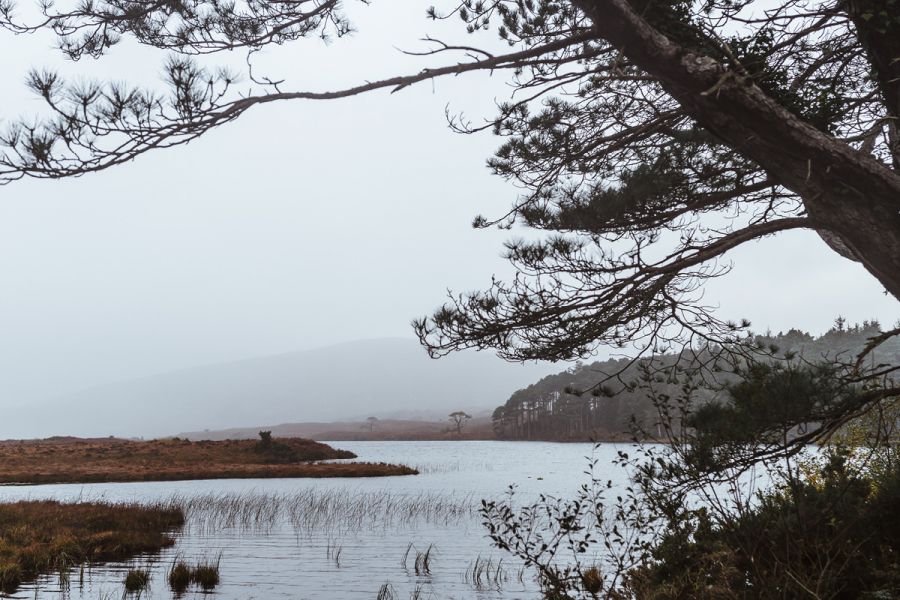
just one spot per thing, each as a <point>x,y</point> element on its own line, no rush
<point>343,539</point>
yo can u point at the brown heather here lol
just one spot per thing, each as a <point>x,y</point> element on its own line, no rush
<point>75,460</point>
<point>47,536</point>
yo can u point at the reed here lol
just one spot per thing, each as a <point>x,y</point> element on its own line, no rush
<point>592,580</point>
<point>206,574</point>
<point>137,580</point>
<point>423,561</point>
<point>10,577</point>
<point>332,511</point>
<point>484,574</point>
<point>386,592</point>
<point>403,560</point>
<point>333,551</point>
<point>418,591</point>
<point>179,576</point>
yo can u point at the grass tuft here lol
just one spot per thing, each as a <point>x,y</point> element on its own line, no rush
<point>592,580</point>
<point>206,575</point>
<point>10,577</point>
<point>179,577</point>
<point>423,561</point>
<point>386,592</point>
<point>137,580</point>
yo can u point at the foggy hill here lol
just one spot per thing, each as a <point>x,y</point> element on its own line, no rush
<point>438,428</point>
<point>346,381</point>
<point>548,410</point>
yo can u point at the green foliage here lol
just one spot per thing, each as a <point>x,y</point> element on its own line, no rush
<point>838,539</point>
<point>763,407</point>
<point>691,524</point>
<point>791,381</point>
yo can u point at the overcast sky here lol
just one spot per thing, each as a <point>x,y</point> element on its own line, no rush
<point>301,225</point>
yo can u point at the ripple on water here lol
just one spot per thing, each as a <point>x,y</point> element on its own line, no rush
<point>341,539</point>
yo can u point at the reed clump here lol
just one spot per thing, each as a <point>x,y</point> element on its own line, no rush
<point>137,580</point>
<point>10,577</point>
<point>423,561</point>
<point>485,574</point>
<point>592,580</point>
<point>179,577</point>
<point>204,574</point>
<point>386,592</point>
<point>47,536</point>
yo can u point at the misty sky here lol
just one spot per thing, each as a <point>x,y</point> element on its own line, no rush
<point>301,225</point>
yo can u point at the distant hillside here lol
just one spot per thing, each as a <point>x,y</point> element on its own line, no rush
<point>346,381</point>
<point>479,428</point>
<point>547,410</point>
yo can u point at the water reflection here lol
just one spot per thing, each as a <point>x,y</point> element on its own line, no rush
<point>342,539</point>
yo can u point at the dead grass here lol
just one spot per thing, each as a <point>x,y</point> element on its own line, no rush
<point>74,460</point>
<point>47,536</point>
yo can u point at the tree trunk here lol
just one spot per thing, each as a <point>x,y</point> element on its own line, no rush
<point>847,194</point>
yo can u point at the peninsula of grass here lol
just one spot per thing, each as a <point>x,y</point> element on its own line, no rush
<point>38,537</point>
<point>76,460</point>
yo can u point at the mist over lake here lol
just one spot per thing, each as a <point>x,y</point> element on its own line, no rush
<point>327,300</point>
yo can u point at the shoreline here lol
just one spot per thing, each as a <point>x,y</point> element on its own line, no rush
<point>313,471</point>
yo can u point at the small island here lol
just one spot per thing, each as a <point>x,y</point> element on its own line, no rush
<point>79,460</point>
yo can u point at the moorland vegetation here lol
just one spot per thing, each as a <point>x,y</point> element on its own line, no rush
<point>71,460</point>
<point>38,537</point>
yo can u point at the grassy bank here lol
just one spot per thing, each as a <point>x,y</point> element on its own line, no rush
<point>74,460</point>
<point>45,536</point>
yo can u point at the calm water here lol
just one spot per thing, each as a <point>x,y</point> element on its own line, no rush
<point>342,538</point>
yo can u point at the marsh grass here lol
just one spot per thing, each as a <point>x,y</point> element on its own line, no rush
<point>592,580</point>
<point>137,580</point>
<point>386,592</point>
<point>333,551</point>
<point>422,564</point>
<point>10,577</point>
<point>45,537</point>
<point>179,576</point>
<point>206,574</point>
<point>314,511</point>
<point>484,574</point>
<point>418,593</point>
<point>405,558</point>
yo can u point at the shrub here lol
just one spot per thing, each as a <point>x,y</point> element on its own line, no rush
<point>838,536</point>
